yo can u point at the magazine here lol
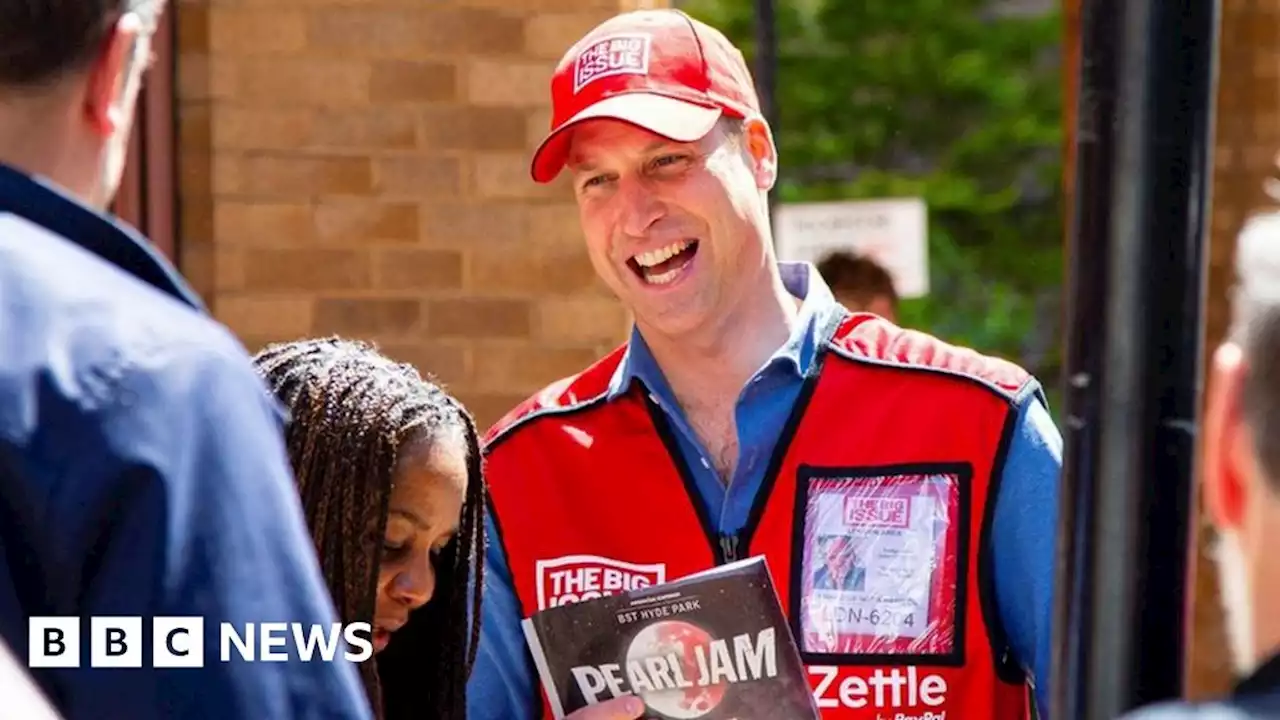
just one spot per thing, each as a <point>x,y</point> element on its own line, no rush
<point>714,645</point>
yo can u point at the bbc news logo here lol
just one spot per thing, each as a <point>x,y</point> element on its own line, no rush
<point>178,642</point>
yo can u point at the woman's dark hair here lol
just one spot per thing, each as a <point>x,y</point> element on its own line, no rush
<point>351,409</point>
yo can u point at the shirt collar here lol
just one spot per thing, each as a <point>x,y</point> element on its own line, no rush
<point>796,355</point>
<point>46,205</point>
<point>1266,679</point>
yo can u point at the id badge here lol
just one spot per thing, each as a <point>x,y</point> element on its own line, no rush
<point>881,563</point>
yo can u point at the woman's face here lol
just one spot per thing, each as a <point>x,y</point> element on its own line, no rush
<point>429,484</point>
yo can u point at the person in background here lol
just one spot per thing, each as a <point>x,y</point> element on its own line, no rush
<point>1241,475</point>
<point>22,699</point>
<point>388,467</point>
<point>142,463</point>
<point>860,284</point>
<point>747,404</point>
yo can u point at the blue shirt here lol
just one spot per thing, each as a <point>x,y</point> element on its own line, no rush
<point>504,685</point>
<point>143,473</point>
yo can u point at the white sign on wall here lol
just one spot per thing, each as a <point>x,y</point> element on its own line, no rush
<point>893,232</point>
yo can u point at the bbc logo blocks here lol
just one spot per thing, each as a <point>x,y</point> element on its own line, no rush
<point>115,642</point>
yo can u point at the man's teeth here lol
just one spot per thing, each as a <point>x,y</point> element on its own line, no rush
<point>663,278</point>
<point>653,257</point>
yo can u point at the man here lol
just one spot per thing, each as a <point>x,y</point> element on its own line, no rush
<point>1241,476</point>
<point>749,414</point>
<point>142,467</point>
<point>860,284</point>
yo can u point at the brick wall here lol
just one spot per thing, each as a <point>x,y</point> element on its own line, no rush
<point>360,168</point>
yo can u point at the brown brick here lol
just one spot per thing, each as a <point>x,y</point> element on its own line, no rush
<point>514,369</point>
<point>419,269</point>
<point>260,129</point>
<point>479,317</point>
<point>195,127</point>
<point>419,32</point>
<point>528,6</point>
<point>473,128</point>
<point>302,82</point>
<point>256,31</point>
<point>229,268</point>
<point>366,221</point>
<point>365,316</point>
<point>506,175</point>
<point>418,176</point>
<point>381,129</point>
<point>195,173</point>
<point>192,31</point>
<point>223,77</point>
<point>393,81</point>
<point>293,176</point>
<point>556,225</point>
<point>489,407</point>
<point>465,225</point>
<point>550,35</point>
<point>443,363</point>
<point>225,177</point>
<point>195,221</point>
<point>310,269</point>
<point>196,259</point>
<point>528,272</point>
<point>274,317</point>
<point>480,32</point>
<point>537,125</point>
<point>366,31</point>
<point>193,77</point>
<point>508,83</point>
<point>262,224</point>
<point>580,321</point>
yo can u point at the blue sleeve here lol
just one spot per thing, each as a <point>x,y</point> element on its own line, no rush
<point>1023,537</point>
<point>503,684</point>
<point>186,507</point>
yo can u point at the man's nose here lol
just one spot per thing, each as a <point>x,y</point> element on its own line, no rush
<point>641,207</point>
<point>415,585</point>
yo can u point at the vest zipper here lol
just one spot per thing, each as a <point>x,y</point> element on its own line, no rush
<point>728,548</point>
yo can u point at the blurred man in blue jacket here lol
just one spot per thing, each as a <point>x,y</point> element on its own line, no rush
<point>142,468</point>
<point>1241,476</point>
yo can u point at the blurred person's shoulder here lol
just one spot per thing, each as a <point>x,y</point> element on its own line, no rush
<point>22,697</point>
<point>83,337</point>
<point>1257,707</point>
<point>872,339</point>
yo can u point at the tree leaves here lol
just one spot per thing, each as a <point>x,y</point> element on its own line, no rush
<point>948,100</point>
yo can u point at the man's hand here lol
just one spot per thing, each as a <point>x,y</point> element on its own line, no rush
<point>629,707</point>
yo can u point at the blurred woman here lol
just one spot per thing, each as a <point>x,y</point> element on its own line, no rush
<point>388,467</point>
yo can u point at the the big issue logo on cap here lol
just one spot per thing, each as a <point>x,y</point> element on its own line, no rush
<point>178,642</point>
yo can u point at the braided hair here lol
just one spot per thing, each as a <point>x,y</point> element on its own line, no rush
<point>351,410</point>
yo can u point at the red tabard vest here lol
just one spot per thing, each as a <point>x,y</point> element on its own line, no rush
<point>891,455</point>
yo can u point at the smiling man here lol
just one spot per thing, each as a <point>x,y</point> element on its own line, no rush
<point>750,414</point>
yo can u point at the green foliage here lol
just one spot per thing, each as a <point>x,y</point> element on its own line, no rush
<point>944,100</point>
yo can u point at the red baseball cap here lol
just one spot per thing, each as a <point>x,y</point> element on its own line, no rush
<point>658,69</point>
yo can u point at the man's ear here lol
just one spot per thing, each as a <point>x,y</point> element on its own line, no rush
<point>1226,441</point>
<point>758,139</point>
<point>108,93</point>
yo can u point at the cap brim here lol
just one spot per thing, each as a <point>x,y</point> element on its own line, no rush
<point>674,119</point>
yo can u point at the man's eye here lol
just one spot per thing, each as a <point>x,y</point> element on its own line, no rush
<point>669,160</point>
<point>593,181</point>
